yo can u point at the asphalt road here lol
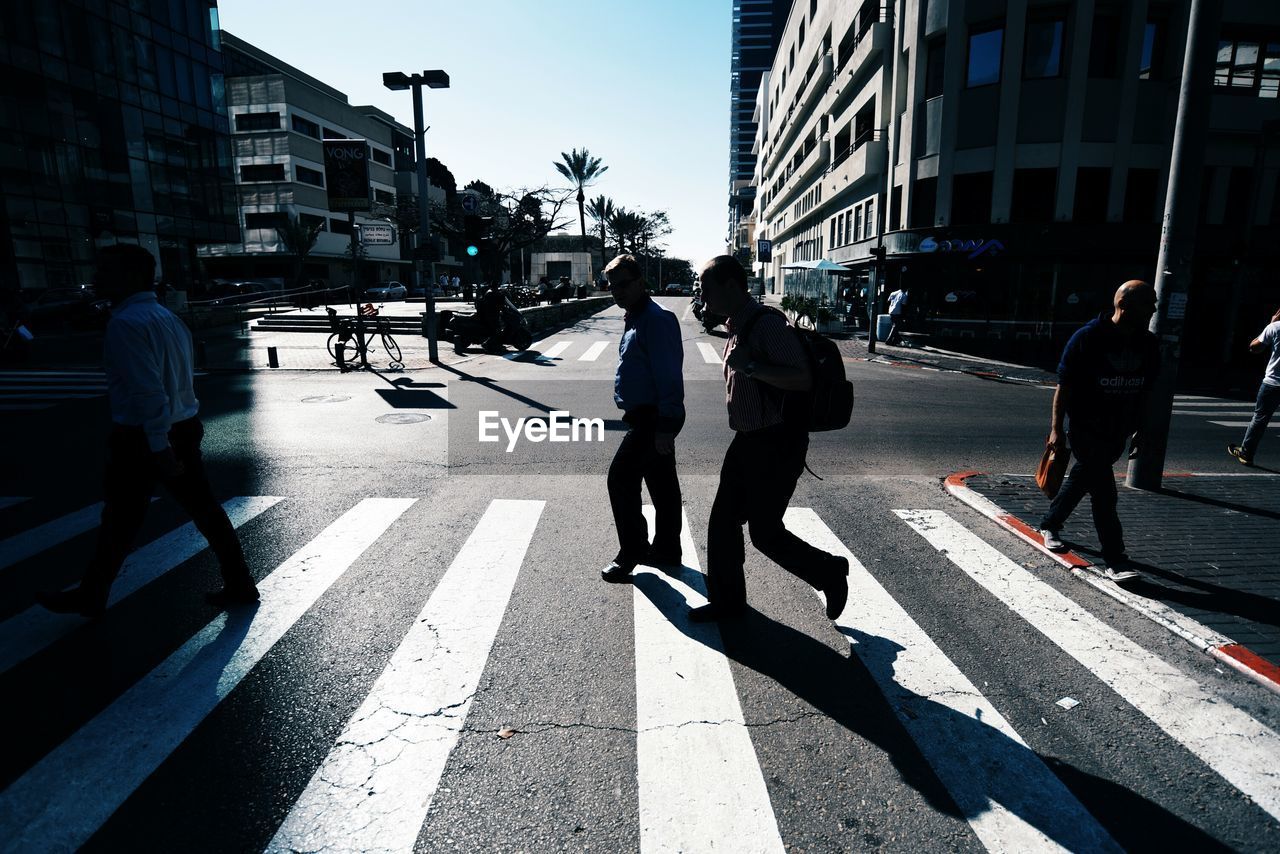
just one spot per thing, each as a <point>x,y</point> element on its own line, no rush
<point>436,664</point>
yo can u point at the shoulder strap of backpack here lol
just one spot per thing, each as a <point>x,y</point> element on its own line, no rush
<point>743,334</point>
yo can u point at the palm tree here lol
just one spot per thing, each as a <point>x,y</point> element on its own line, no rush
<point>626,227</point>
<point>299,239</point>
<point>581,169</point>
<point>601,209</point>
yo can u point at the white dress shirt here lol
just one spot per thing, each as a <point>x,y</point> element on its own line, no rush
<point>148,358</point>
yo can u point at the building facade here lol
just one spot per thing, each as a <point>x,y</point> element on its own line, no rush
<point>112,129</point>
<point>278,118</point>
<point>757,27</point>
<point>1012,158</point>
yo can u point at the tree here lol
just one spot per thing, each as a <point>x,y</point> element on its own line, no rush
<point>601,209</point>
<point>626,226</point>
<point>299,239</point>
<point>518,218</point>
<point>581,169</point>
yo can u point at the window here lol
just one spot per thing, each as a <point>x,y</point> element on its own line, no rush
<point>935,68</point>
<point>265,220</point>
<point>257,121</point>
<point>339,226</point>
<point>313,221</point>
<point>1043,56</point>
<point>835,224</point>
<point>870,225</point>
<point>1249,67</point>
<point>1140,195</point>
<point>924,199</point>
<point>1152,51</point>
<point>267,172</point>
<point>380,156</point>
<point>1034,191</point>
<point>813,8</point>
<point>330,133</point>
<point>971,198</point>
<point>303,175</point>
<point>1093,183</point>
<point>1104,46</point>
<point>863,130</point>
<point>857,223</point>
<point>985,48</point>
<point>791,62</point>
<point>800,43</point>
<point>306,127</point>
<point>385,197</point>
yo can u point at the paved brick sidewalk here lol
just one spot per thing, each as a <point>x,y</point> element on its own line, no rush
<point>1209,546</point>
<point>941,360</point>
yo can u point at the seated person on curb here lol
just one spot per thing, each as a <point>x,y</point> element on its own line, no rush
<point>763,361</point>
<point>489,312</point>
<point>1107,369</point>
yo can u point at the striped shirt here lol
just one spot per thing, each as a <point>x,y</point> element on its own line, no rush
<point>751,405</point>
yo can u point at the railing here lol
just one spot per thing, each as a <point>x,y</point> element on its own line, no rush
<point>864,23</point>
<point>873,135</point>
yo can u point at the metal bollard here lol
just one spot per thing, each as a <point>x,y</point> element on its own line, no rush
<point>273,359</point>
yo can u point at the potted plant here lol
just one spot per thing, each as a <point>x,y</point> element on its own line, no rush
<point>827,321</point>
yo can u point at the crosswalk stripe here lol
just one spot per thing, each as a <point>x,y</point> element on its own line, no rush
<point>555,350</point>
<point>27,395</point>
<point>709,354</point>
<point>1272,426</point>
<point>701,788</point>
<point>25,634</point>
<point>594,351</point>
<point>9,501</point>
<point>1221,404</point>
<point>19,547</point>
<point>65,797</point>
<point>1008,795</point>
<point>375,787</point>
<point>1241,749</point>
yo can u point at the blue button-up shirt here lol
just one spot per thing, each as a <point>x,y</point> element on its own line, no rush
<point>651,365</point>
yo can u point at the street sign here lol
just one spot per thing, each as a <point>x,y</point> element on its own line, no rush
<point>764,251</point>
<point>377,234</point>
<point>346,172</point>
<point>470,203</point>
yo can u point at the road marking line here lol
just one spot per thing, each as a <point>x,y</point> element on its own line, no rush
<point>26,395</point>
<point>594,351</point>
<point>9,501</point>
<point>1221,404</point>
<point>67,796</point>
<point>25,634</point>
<point>709,353</point>
<point>1239,748</point>
<point>1208,413</point>
<point>1275,425</point>
<point>701,788</point>
<point>19,547</point>
<point>543,356</point>
<point>374,789</point>
<point>1008,795</point>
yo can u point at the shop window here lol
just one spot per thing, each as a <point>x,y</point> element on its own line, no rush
<point>985,49</point>
<point>1043,48</point>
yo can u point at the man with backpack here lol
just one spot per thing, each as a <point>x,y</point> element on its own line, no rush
<point>772,393</point>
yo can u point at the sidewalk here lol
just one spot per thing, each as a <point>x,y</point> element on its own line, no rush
<point>931,358</point>
<point>1206,544</point>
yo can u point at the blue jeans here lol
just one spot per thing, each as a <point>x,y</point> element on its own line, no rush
<point>1263,409</point>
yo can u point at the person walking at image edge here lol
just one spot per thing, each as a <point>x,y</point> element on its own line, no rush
<point>763,362</point>
<point>155,436</point>
<point>649,389</point>
<point>1107,369</point>
<point>898,301</point>
<point>1268,392</point>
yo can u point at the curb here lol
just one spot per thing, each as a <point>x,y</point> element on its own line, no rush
<point>1213,644</point>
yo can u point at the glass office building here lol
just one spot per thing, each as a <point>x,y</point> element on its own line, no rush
<point>112,129</point>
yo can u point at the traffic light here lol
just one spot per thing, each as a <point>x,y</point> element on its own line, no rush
<point>475,229</point>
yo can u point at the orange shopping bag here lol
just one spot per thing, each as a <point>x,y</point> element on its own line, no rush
<point>1053,467</point>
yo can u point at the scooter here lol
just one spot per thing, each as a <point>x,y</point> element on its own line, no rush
<point>467,329</point>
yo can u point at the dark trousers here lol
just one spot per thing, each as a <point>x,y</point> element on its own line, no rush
<point>757,479</point>
<point>1092,474</point>
<point>130,479</point>
<point>636,461</point>
<point>1263,408</point>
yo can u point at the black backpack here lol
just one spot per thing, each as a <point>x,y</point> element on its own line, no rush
<point>828,405</point>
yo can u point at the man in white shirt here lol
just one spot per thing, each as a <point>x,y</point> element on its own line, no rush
<point>897,313</point>
<point>1268,392</point>
<point>155,435</point>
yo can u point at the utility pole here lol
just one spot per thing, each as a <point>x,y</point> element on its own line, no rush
<point>1177,238</point>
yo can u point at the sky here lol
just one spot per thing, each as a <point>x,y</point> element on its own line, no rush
<point>642,85</point>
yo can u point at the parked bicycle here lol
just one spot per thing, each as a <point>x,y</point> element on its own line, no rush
<point>343,333</point>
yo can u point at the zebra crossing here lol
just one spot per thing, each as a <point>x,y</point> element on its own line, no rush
<point>561,350</point>
<point>1216,410</point>
<point>700,781</point>
<point>35,390</point>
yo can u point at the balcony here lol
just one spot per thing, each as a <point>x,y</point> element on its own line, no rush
<point>874,35</point>
<point>802,105</point>
<point>866,157</point>
<point>799,179</point>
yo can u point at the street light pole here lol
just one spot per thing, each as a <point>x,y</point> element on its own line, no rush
<point>437,79</point>
<point>1177,238</point>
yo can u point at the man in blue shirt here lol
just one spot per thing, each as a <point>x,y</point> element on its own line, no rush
<point>1107,369</point>
<point>649,389</point>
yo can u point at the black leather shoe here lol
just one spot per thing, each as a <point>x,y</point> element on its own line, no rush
<point>230,597</point>
<point>617,572</point>
<point>714,613</point>
<point>837,590</point>
<point>73,601</point>
<point>668,562</point>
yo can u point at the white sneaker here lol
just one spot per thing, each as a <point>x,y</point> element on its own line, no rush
<point>1120,574</point>
<point>1052,541</point>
